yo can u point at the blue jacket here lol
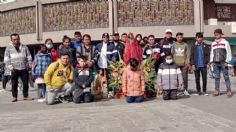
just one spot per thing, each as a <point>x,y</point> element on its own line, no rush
<point>112,54</point>
<point>75,44</point>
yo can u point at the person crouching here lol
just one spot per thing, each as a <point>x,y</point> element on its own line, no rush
<point>133,84</point>
<point>169,78</point>
<point>83,77</point>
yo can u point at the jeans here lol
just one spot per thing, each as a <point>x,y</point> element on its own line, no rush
<point>51,94</point>
<point>184,71</point>
<point>218,68</point>
<point>197,72</point>
<point>24,75</point>
<point>136,99</point>
<point>41,90</point>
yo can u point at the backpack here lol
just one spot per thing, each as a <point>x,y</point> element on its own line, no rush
<point>57,66</point>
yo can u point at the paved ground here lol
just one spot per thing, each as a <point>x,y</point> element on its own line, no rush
<point>194,114</point>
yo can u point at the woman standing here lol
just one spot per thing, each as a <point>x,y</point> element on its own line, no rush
<point>50,49</point>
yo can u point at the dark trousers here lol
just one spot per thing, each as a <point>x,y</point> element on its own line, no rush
<point>170,94</point>
<point>80,96</point>
<point>184,71</point>
<point>5,79</point>
<point>203,72</point>
<point>136,99</point>
<point>24,75</point>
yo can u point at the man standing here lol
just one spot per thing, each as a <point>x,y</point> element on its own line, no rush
<point>123,38</point>
<point>58,78</point>
<point>219,58</point>
<point>18,59</point>
<point>181,55</point>
<point>166,43</point>
<point>106,52</point>
<point>120,47</point>
<point>77,41</point>
<point>88,50</point>
<point>199,59</point>
<point>153,50</point>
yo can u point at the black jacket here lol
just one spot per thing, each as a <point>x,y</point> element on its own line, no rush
<point>120,47</point>
<point>82,76</point>
<point>194,55</point>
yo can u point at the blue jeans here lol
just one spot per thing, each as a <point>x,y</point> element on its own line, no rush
<point>218,68</point>
<point>41,90</point>
<point>136,99</point>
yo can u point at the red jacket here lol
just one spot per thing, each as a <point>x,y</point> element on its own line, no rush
<point>132,49</point>
<point>54,55</point>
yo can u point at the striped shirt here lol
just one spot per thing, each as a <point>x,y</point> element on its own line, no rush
<point>17,59</point>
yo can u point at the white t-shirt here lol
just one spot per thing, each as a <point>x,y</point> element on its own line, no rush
<point>102,62</point>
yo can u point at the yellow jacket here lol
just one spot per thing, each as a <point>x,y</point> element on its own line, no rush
<point>57,75</point>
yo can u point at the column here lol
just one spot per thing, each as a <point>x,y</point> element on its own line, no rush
<point>39,21</point>
<point>111,22</point>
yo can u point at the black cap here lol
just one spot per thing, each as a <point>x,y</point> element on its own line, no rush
<point>218,31</point>
<point>116,34</point>
<point>105,35</point>
<point>199,35</point>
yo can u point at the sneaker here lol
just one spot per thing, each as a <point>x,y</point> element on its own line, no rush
<point>62,99</point>
<point>229,94</point>
<point>180,93</point>
<point>216,93</point>
<point>186,93</point>
<point>205,94</point>
<point>14,100</point>
<point>41,100</point>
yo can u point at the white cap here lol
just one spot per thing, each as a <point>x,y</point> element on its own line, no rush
<point>168,31</point>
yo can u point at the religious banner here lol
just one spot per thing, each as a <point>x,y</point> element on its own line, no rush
<point>76,15</point>
<point>20,21</point>
<point>155,12</point>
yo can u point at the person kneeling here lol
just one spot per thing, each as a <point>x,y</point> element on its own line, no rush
<point>133,84</point>
<point>58,79</point>
<point>169,78</point>
<point>83,77</point>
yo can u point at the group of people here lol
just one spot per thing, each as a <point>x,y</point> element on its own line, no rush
<point>68,72</point>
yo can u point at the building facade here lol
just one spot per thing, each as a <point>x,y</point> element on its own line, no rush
<point>37,20</point>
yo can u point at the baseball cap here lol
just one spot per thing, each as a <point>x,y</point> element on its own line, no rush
<point>168,31</point>
<point>116,34</point>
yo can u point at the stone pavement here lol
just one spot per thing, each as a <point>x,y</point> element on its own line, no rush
<point>194,114</point>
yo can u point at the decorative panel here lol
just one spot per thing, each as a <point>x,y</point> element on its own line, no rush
<point>76,15</point>
<point>21,21</point>
<point>155,12</point>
